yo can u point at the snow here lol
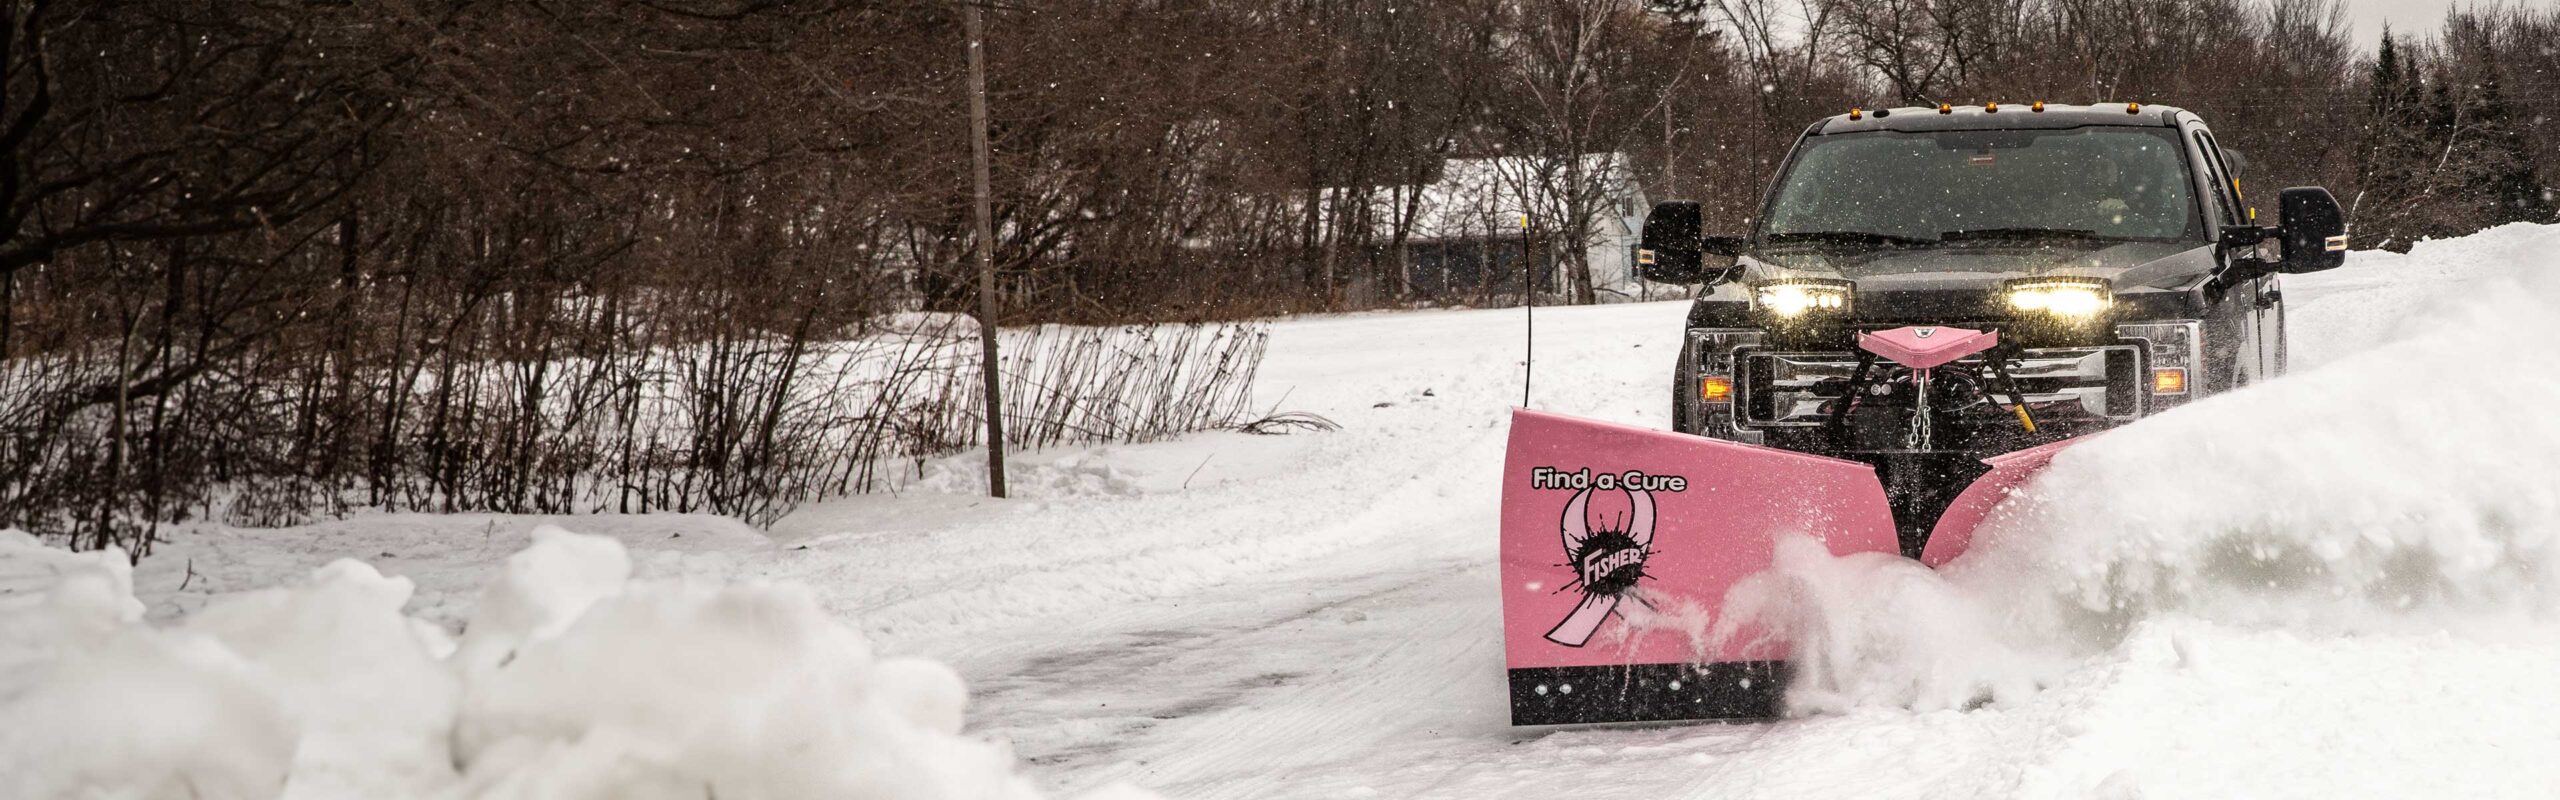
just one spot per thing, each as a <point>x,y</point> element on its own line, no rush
<point>573,680</point>
<point>666,689</point>
<point>1874,629</point>
<point>2328,584</point>
<point>80,674</point>
<point>2412,479</point>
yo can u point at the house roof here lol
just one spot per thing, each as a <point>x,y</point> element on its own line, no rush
<point>1483,196</point>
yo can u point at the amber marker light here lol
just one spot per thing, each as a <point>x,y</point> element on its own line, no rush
<point>2038,107</point>
<point>1854,113</point>
<point>2168,381</point>
<point>1946,109</point>
<point>2133,108</point>
<point>1715,389</point>
<point>1992,107</point>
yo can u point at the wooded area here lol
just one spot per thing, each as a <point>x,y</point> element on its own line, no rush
<point>258,252</point>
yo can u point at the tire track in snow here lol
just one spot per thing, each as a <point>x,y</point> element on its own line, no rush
<point>1039,566</point>
<point>1377,657</point>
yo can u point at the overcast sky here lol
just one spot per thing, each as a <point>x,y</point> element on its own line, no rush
<point>2421,17</point>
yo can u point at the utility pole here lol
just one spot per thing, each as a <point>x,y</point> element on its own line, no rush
<point>986,247</point>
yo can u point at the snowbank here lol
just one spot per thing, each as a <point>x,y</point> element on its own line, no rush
<point>573,681</point>
<point>2410,487</point>
<point>2417,477</point>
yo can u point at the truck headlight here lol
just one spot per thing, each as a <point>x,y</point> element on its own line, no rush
<point>2067,297</point>
<point>1788,298</point>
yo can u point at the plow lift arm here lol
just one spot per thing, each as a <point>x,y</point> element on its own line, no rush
<point>1620,545</point>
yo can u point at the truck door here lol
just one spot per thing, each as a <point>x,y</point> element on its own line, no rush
<point>2224,204</point>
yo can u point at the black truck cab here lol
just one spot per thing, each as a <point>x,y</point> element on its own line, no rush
<point>2109,245</point>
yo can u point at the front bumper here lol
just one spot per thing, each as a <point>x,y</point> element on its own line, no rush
<point>1773,390</point>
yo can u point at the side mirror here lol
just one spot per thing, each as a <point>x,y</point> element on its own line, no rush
<point>1672,245</point>
<point>1674,250</point>
<point>2314,230</point>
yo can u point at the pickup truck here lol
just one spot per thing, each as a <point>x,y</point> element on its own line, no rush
<point>2109,247</point>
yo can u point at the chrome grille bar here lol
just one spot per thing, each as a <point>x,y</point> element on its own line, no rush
<point>1775,389</point>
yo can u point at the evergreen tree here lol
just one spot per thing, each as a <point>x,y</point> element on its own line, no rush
<point>2511,188</point>
<point>2387,77</point>
<point>2444,152</point>
<point>2392,164</point>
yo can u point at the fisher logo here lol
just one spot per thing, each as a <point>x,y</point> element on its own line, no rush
<point>1607,559</point>
<point>1923,333</point>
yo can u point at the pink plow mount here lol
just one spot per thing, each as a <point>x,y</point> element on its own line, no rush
<point>1927,346</point>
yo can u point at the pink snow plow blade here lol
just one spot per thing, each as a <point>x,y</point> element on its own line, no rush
<point>1954,531</point>
<point>1618,545</point>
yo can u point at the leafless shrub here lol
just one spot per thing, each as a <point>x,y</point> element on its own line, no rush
<point>746,426</point>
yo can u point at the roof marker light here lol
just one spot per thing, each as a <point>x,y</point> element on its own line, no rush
<point>1946,109</point>
<point>1992,107</point>
<point>2133,108</point>
<point>2038,107</point>
<point>1853,112</point>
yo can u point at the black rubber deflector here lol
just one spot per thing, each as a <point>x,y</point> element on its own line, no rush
<point>1647,692</point>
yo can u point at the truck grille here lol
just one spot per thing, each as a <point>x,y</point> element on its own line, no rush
<point>1779,389</point>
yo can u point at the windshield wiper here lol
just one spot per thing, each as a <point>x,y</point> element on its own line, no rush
<point>1846,237</point>
<point>2021,234</point>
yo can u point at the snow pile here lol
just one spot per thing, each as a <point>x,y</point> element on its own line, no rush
<point>94,704</point>
<point>1877,628</point>
<point>2419,476</point>
<point>2410,487</point>
<point>574,681</point>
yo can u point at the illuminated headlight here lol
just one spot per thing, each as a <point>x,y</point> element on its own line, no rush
<point>2071,298</point>
<point>1794,297</point>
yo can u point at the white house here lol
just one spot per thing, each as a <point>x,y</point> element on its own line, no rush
<point>1484,217</point>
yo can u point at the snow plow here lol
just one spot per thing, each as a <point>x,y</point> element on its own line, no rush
<point>1931,304</point>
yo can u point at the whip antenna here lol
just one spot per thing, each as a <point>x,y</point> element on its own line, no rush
<point>1529,309</point>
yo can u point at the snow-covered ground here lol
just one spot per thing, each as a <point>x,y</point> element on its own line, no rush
<point>2327,585</point>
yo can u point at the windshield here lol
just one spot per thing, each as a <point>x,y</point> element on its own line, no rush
<point>1886,188</point>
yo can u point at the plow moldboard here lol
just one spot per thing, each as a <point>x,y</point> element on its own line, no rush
<point>1667,523</point>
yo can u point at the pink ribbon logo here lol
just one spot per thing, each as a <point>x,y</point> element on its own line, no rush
<point>1607,560</point>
